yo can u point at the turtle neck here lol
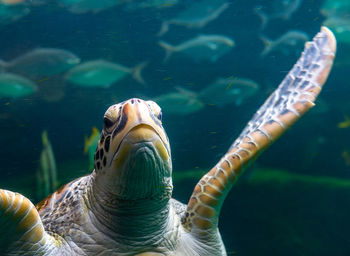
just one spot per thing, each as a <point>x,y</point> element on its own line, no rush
<point>128,222</point>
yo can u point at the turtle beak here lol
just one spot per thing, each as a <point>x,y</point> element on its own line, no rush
<point>146,134</point>
<point>144,139</point>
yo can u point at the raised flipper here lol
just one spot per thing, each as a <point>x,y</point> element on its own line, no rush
<point>294,96</point>
<point>22,232</point>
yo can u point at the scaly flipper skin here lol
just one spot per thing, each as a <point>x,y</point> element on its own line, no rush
<point>294,96</point>
<point>22,232</point>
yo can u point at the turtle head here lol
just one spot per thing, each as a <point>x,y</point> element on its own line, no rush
<point>132,159</point>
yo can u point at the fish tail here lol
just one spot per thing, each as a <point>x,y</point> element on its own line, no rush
<point>186,92</point>
<point>95,131</point>
<point>169,49</point>
<point>136,73</point>
<point>164,28</point>
<point>262,15</point>
<point>191,95</point>
<point>268,45</point>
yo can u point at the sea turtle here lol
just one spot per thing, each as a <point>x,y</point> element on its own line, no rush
<point>124,207</point>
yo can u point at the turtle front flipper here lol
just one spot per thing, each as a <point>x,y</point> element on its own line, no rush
<point>22,232</point>
<point>294,96</point>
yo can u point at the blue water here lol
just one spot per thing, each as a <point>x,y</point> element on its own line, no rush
<point>294,218</point>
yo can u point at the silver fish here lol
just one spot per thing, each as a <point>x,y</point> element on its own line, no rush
<point>340,25</point>
<point>102,73</point>
<point>281,9</point>
<point>336,8</point>
<point>94,6</point>
<point>51,89</point>
<point>15,86</point>
<point>152,4</point>
<point>181,102</point>
<point>288,41</point>
<point>224,91</point>
<point>42,62</point>
<point>203,47</point>
<point>197,15</point>
<point>11,13</point>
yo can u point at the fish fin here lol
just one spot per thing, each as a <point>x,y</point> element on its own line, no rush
<point>262,15</point>
<point>268,45</point>
<point>164,28</point>
<point>192,96</point>
<point>212,46</point>
<point>136,72</point>
<point>169,49</point>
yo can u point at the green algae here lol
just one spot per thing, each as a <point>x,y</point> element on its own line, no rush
<point>280,177</point>
<point>194,174</point>
<point>268,176</point>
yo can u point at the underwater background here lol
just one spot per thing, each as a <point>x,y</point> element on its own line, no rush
<point>294,200</point>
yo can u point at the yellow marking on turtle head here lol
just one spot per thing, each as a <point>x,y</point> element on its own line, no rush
<point>122,155</point>
<point>161,150</point>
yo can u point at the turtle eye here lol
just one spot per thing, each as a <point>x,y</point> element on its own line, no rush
<point>156,110</point>
<point>107,123</point>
